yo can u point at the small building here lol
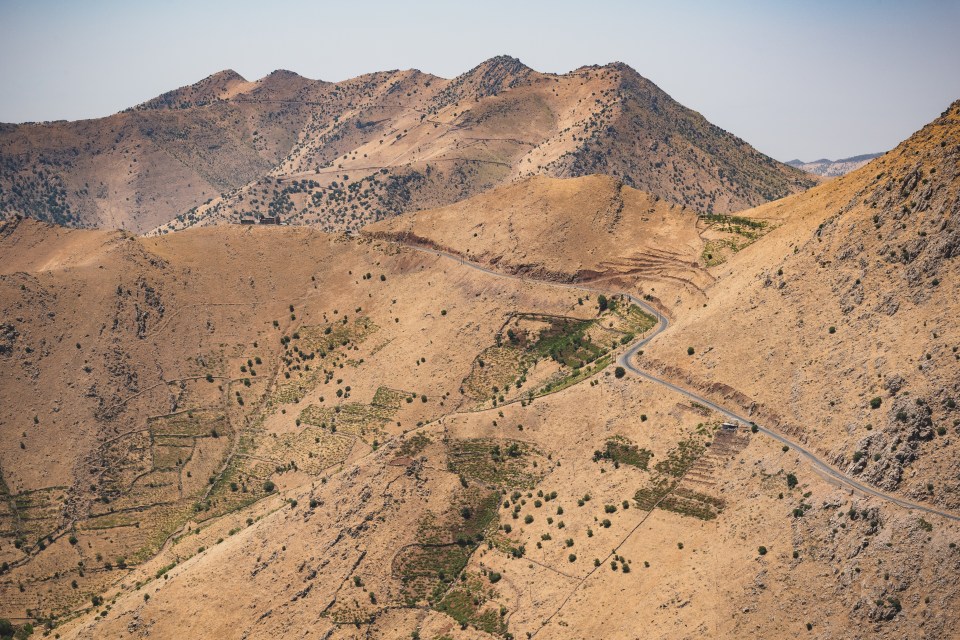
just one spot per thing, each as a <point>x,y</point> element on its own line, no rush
<point>730,426</point>
<point>270,220</point>
<point>248,220</point>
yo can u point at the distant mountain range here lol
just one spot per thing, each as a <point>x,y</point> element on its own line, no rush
<point>834,168</point>
<point>340,155</point>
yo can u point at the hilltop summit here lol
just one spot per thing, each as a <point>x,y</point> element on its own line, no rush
<point>341,155</point>
<point>216,86</point>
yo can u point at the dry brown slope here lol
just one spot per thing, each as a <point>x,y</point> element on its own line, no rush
<point>350,552</point>
<point>426,142</point>
<point>342,154</point>
<point>842,322</point>
<point>148,383</point>
<point>141,167</point>
<point>589,229</point>
<point>314,565</point>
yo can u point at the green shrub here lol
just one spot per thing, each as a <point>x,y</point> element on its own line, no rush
<point>690,351</point>
<point>619,372</point>
<point>875,402</point>
<point>762,550</point>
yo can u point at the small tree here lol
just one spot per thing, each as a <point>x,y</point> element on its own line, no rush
<point>619,372</point>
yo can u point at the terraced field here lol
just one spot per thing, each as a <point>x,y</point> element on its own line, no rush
<point>551,352</point>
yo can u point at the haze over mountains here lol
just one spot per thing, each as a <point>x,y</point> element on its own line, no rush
<point>549,389</point>
<point>338,155</point>
<point>834,168</point>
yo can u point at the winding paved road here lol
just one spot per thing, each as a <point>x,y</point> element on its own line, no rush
<point>625,360</point>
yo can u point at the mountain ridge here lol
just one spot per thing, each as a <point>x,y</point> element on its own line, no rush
<point>833,168</point>
<point>225,141</point>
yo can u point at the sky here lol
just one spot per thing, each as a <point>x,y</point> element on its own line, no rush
<point>796,79</point>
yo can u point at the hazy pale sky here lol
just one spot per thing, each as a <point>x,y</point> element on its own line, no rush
<point>805,79</point>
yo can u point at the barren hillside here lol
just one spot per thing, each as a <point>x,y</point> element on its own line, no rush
<point>339,155</point>
<point>593,229</point>
<point>861,283</point>
<point>352,436</point>
<point>454,425</point>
